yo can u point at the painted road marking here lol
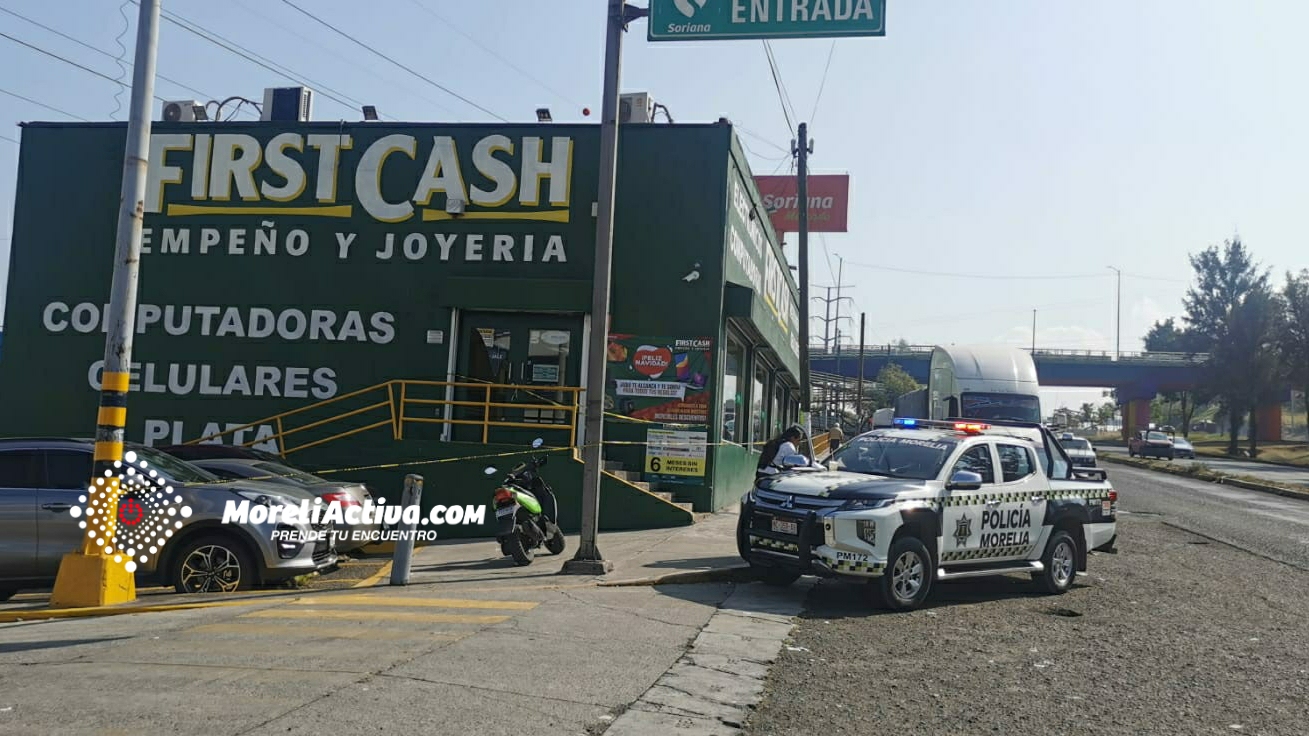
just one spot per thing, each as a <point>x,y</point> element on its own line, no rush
<point>360,615</point>
<point>377,600</point>
<point>295,628</point>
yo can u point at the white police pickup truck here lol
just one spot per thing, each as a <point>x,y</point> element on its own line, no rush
<point>931,500</point>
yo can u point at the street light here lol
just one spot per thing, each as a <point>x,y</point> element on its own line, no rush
<point>1118,316</point>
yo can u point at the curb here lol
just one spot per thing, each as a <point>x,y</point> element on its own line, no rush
<point>33,614</point>
<point>1219,479</point>
<point>740,574</point>
<point>375,578</point>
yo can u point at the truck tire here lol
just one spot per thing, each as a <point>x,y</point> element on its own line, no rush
<point>907,580</point>
<point>1060,562</point>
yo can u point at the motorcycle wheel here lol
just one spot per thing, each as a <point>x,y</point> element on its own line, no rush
<point>521,553</point>
<point>555,545</point>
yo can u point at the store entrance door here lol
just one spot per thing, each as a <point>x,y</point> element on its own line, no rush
<point>531,353</point>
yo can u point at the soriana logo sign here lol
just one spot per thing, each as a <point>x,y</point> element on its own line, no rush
<point>652,361</point>
<point>829,200</point>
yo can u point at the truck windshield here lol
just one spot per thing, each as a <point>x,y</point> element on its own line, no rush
<point>1017,407</point>
<point>916,458</point>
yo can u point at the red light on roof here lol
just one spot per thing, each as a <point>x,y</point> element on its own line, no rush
<point>970,427</point>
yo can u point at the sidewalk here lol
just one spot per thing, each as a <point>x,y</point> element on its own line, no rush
<point>475,644</point>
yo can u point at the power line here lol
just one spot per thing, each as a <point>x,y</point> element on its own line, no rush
<point>777,82</point>
<point>42,104</point>
<point>264,62</point>
<point>102,52</point>
<point>492,52</point>
<point>761,139</point>
<point>12,140</point>
<point>981,276</point>
<point>68,61</point>
<point>324,49</point>
<point>374,51</point>
<point>821,85</point>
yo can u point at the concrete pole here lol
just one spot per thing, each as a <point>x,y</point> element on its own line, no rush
<point>802,152</point>
<point>859,397</point>
<point>588,560</point>
<point>91,576</point>
<point>1118,315</point>
<point>403,557</point>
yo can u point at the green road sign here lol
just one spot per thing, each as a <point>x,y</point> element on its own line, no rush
<point>701,20</point>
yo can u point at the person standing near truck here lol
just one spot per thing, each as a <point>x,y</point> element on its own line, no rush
<point>777,449</point>
<point>835,436</point>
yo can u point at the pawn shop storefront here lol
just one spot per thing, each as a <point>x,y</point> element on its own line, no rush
<point>346,293</point>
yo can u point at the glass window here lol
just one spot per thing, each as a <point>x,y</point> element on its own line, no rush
<point>1002,406</point>
<point>178,471</point>
<point>977,460</point>
<point>547,365</point>
<point>18,469</point>
<point>1015,462</point>
<point>779,408</point>
<point>732,385</point>
<point>759,406</point>
<point>67,469</point>
<point>894,457</point>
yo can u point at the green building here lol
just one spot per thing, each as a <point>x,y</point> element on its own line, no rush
<point>356,295</point>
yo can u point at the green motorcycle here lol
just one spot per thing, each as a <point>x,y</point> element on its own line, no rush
<point>526,511</point>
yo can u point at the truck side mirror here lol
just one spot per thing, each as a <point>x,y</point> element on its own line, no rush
<point>964,480</point>
<point>795,461</point>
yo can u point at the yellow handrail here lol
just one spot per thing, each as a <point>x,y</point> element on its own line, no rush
<point>395,404</point>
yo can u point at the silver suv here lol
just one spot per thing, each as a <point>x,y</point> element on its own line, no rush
<point>41,480</point>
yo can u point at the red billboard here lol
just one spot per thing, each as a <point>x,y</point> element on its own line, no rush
<point>829,200</point>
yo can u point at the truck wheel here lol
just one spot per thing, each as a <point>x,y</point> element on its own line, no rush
<point>908,577</point>
<point>742,541</point>
<point>1060,561</point>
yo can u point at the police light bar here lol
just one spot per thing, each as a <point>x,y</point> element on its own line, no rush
<point>904,422</point>
<point>971,427</point>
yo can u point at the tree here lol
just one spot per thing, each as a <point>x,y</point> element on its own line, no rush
<point>1294,338</point>
<point>1230,311</point>
<point>1165,337</point>
<point>1106,411</point>
<point>892,383</point>
<point>1088,412</point>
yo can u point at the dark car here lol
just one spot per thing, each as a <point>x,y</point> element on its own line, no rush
<point>232,462</point>
<point>1150,444</point>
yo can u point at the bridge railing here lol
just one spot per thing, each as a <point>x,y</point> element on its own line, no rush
<point>925,351</point>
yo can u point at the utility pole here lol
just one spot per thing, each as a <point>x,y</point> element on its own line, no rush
<point>801,150</point>
<point>1118,316</point>
<point>91,576</point>
<point>1033,330</point>
<point>588,560</point>
<point>859,397</point>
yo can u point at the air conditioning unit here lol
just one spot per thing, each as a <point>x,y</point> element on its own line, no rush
<point>635,107</point>
<point>183,111</point>
<point>288,104</point>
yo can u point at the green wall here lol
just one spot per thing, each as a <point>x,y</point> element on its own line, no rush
<point>450,480</point>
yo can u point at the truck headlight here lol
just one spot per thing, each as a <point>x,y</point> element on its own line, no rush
<point>864,504</point>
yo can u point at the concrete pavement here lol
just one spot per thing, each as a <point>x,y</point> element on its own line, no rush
<point>474,645</point>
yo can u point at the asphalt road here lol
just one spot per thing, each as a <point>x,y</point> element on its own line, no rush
<point>1278,473</point>
<point>1178,633</point>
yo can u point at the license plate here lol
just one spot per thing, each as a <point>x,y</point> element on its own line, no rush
<point>504,511</point>
<point>786,527</point>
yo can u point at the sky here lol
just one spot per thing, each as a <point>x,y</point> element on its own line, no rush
<point>1002,155</point>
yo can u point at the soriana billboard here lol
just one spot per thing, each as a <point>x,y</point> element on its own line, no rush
<point>829,199</point>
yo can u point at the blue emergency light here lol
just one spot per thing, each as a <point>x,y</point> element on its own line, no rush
<point>905,422</point>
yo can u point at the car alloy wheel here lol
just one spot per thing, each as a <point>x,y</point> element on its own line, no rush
<point>211,569</point>
<point>907,576</point>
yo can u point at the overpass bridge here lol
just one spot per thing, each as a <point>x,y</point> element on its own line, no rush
<point>1136,376</point>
